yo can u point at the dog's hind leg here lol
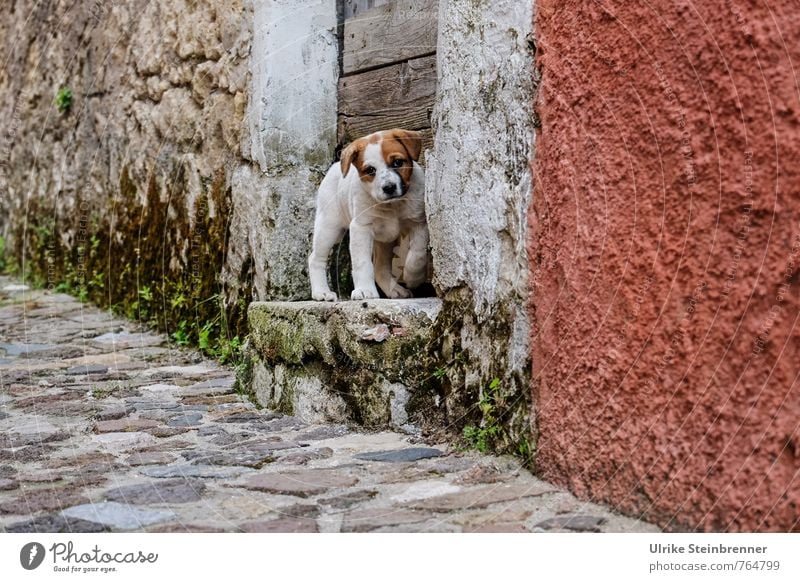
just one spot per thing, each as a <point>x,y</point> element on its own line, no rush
<point>324,239</point>
<point>415,268</point>
<point>382,258</point>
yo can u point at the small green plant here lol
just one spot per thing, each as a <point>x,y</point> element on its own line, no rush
<point>204,337</point>
<point>482,437</point>
<point>64,100</point>
<point>146,294</point>
<point>100,393</point>
<point>440,373</point>
<point>2,255</point>
<point>181,335</point>
<point>178,301</point>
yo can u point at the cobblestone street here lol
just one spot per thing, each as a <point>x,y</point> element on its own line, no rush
<point>107,427</point>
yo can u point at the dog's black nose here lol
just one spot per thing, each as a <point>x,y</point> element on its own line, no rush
<point>389,189</point>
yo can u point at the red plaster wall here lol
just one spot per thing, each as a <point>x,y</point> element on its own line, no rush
<point>665,253</point>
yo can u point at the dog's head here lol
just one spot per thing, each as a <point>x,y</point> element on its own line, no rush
<point>384,161</point>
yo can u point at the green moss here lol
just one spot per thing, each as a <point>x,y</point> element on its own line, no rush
<point>126,255</point>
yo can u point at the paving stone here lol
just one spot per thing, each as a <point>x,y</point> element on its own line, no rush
<point>211,430</point>
<point>184,528</point>
<point>163,432</point>
<point>193,471</point>
<point>118,515</point>
<point>123,440</point>
<point>190,419</point>
<point>582,523</point>
<point>247,417</point>
<point>213,400</point>
<point>40,399</point>
<point>159,491</point>
<point>281,525</point>
<point>7,471</point>
<point>324,432</point>
<point>196,370</point>
<point>151,405</point>
<point>39,477</point>
<point>33,500</point>
<point>264,445</point>
<point>303,457</point>
<point>14,350</point>
<point>425,490</point>
<point>365,520</point>
<point>114,412</point>
<point>349,499</point>
<point>124,339</point>
<point>300,510</point>
<point>252,459</point>
<point>284,423</point>
<point>83,460</point>
<point>169,445</point>
<point>60,353</point>
<point>160,388</point>
<point>231,438</point>
<point>85,370</point>
<point>124,425</point>
<point>113,359</point>
<point>497,528</point>
<point>482,496</point>
<point>481,475</point>
<point>300,483</point>
<point>156,414</point>
<point>215,387</point>
<point>400,455</point>
<point>27,454</point>
<point>149,458</point>
<point>56,523</point>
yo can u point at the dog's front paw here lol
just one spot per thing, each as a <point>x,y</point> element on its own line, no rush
<point>324,296</point>
<point>364,294</point>
<point>399,292</point>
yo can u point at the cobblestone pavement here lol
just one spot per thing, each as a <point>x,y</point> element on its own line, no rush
<point>104,427</point>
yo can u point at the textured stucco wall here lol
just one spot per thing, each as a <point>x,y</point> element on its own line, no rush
<point>665,250</point>
<point>478,185</point>
<point>186,166</point>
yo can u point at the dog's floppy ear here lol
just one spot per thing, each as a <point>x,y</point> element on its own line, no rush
<point>349,155</point>
<point>411,140</point>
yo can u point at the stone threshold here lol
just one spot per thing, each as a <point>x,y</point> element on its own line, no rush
<point>355,362</point>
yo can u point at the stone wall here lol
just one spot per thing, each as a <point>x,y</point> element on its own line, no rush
<point>478,185</point>
<point>161,190</point>
<point>665,252</point>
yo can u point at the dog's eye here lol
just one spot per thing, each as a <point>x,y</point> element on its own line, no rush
<point>398,163</point>
<point>369,171</point>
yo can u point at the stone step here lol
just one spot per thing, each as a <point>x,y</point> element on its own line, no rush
<point>347,362</point>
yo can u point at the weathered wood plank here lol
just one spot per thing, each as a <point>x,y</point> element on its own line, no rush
<point>390,33</point>
<point>355,7</point>
<point>394,96</point>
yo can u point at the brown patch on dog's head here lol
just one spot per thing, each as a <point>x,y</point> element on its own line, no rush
<point>352,155</point>
<point>400,148</point>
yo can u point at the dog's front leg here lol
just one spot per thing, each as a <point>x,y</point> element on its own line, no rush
<point>415,269</point>
<point>361,257</point>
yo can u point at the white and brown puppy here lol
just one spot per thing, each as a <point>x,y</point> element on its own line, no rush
<point>377,191</point>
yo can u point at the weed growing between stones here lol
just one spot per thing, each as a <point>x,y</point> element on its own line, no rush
<point>64,100</point>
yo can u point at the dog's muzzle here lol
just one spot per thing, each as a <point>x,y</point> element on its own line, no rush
<point>392,191</point>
